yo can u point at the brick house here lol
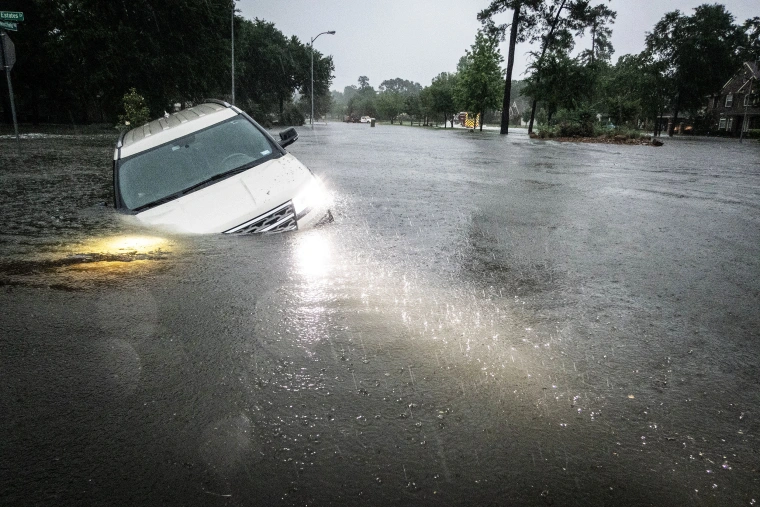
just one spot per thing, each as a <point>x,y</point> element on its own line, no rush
<point>737,100</point>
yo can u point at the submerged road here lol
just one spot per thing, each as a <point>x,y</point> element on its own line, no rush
<point>488,321</point>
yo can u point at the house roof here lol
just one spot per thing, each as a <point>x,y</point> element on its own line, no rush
<point>751,67</point>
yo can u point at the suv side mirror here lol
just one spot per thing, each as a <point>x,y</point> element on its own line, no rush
<point>288,137</point>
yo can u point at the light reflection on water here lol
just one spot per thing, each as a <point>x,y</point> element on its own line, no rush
<point>436,337</point>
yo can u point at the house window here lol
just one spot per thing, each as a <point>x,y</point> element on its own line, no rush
<point>729,99</point>
<point>746,99</point>
<point>722,124</point>
<point>730,125</point>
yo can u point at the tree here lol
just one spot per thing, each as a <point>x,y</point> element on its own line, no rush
<point>751,44</point>
<point>560,82</point>
<point>633,90</point>
<point>78,58</point>
<point>442,96</point>
<point>479,86</point>
<point>698,54</point>
<point>364,101</point>
<point>597,20</point>
<point>524,20</point>
<point>395,95</point>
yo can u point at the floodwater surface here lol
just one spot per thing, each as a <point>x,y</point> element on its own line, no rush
<point>488,321</point>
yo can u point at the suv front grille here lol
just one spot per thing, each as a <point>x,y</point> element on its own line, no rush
<point>280,219</point>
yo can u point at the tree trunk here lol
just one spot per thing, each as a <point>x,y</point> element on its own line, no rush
<point>540,58</point>
<point>506,102</point>
<point>482,117</point>
<point>675,115</point>
<point>532,116</point>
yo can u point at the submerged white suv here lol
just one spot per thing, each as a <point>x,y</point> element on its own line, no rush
<point>212,168</point>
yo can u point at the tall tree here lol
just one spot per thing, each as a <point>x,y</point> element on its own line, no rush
<point>597,21</point>
<point>751,44</point>
<point>698,52</point>
<point>479,86</point>
<point>525,17</point>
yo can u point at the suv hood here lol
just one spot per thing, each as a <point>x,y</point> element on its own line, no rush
<point>234,200</point>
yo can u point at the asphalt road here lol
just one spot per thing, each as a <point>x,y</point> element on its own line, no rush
<point>488,321</point>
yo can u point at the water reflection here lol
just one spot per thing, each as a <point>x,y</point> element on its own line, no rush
<point>127,245</point>
<point>313,255</point>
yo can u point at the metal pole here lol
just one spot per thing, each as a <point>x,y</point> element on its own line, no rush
<point>331,32</point>
<point>10,86</point>
<point>311,118</point>
<point>232,27</point>
<point>746,103</point>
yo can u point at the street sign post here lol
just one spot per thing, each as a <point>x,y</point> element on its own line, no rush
<point>8,20</point>
<point>8,58</point>
<point>11,16</point>
<point>9,51</point>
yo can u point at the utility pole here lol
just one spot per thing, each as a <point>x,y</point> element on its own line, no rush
<point>232,30</point>
<point>331,32</point>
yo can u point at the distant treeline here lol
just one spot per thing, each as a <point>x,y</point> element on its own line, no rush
<point>687,57</point>
<point>77,59</point>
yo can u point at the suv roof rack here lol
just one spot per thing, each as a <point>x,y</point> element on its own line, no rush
<point>217,101</point>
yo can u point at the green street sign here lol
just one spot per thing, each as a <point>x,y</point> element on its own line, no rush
<point>6,25</point>
<point>11,16</point>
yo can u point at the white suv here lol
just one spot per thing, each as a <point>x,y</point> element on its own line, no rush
<point>212,168</point>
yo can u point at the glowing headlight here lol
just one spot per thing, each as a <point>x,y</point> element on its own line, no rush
<point>312,196</point>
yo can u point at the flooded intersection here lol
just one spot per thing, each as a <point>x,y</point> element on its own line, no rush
<point>487,321</point>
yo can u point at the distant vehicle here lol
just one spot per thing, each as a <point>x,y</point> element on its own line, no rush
<point>212,168</point>
<point>351,119</point>
<point>365,119</point>
<point>462,117</point>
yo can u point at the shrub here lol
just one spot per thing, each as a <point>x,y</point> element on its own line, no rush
<point>292,115</point>
<point>753,134</point>
<point>571,129</point>
<point>136,113</point>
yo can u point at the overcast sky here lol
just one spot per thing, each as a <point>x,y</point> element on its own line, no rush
<point>418,39</point>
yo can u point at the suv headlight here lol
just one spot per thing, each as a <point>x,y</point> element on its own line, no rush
<point>310,197</point>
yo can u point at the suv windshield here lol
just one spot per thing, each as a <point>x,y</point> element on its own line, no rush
<point>188,163</point>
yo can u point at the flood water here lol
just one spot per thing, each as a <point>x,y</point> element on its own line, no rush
<point>488,321</point>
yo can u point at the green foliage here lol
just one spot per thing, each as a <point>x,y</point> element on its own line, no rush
<point>559,82</point>
<point>136,113</point>
<point>442,99</point>
<point>363,101</point>
<point>597,20</point>
<point>80,56</point>
<point>480,84</point>
<point>753,134</point>
<point>397,96</point>
<point>698,53</point>
<point>292,115</point>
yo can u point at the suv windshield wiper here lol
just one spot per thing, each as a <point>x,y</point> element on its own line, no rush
<point>214,178</point>
<point>193,188</point>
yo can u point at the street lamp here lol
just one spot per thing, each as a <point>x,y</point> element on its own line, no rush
<point>232,31</point>
<point>747,99</point>
<point>331,32</point>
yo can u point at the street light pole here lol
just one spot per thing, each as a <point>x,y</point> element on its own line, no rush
<point>232,29</point>
<point>331,32</point>
<point>746,103</point>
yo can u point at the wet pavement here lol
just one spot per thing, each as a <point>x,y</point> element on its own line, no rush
<point>488,321</point>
